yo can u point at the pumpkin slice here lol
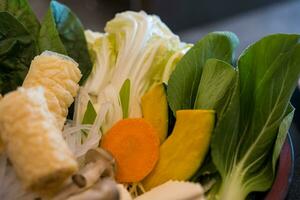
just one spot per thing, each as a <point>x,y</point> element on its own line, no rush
<point>184,151</point>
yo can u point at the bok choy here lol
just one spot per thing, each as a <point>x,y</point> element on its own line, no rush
<point>252,105</point>
<point>246,134</point>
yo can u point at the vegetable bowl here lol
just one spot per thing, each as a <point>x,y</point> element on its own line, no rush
<point>135,113</point>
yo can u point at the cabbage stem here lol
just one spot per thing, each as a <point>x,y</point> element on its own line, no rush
<point>232,186</point>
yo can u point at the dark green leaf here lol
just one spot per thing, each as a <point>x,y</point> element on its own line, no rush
<point>257,61</point>
<point>124,97</point>
<point>225,136</point>
<point>71,33</point>
<point>266,94</point>
<point>171,117</point>
<point>17,49</point>
<point>184,81</point>
<point>244,139</point>
<point>49,37</point>
<point>21,10</point>
<point>217,78</point>
<point>214,93</point>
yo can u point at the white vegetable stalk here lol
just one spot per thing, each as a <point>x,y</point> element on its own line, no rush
<point>232,186</point>
<point>80,105</point>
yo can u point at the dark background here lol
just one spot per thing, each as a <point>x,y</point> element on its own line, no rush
<point>192,19</point>
<point>178,14</point>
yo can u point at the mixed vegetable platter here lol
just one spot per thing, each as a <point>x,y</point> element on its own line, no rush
<point>135,113</point>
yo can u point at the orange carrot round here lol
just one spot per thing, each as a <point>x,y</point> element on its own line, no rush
<point>135,146</point>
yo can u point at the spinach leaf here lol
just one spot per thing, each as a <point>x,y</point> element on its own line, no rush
<point>21,10</point>
<point>184,81</point>
<point>247,133</point>
<point>71,33</point>
<point>49,37</point>
<point>125,97</point>
<point>17,49</point>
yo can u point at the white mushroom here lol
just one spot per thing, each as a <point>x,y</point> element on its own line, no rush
<point>94,180</point>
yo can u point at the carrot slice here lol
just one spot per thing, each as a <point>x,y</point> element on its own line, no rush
<point>135,145</point>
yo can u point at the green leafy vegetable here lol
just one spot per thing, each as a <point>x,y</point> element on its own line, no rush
<point>17,49</point>
<point>252,108</point>
<point>184,81</point>
<point>217,77</point>
<point>245,135</point>
<point>124,97</point>
<point>22,38</point>
<point>213,91</point>
<point>49,37</point>
<point>62,32</point>
<point>90,114</point>
<point>21,10</point>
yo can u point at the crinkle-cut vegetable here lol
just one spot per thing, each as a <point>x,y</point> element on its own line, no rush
<point>172,190</point>
<point>59,75</point>
<point>33,142</point>
<point>155,110</point>
<point>184,151</point>
<point>135,146</point>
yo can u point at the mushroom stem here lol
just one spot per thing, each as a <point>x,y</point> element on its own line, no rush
<point>95,179</point>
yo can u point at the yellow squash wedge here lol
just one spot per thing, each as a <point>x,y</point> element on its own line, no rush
<point>184,151</point>
<point>155,110</point>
